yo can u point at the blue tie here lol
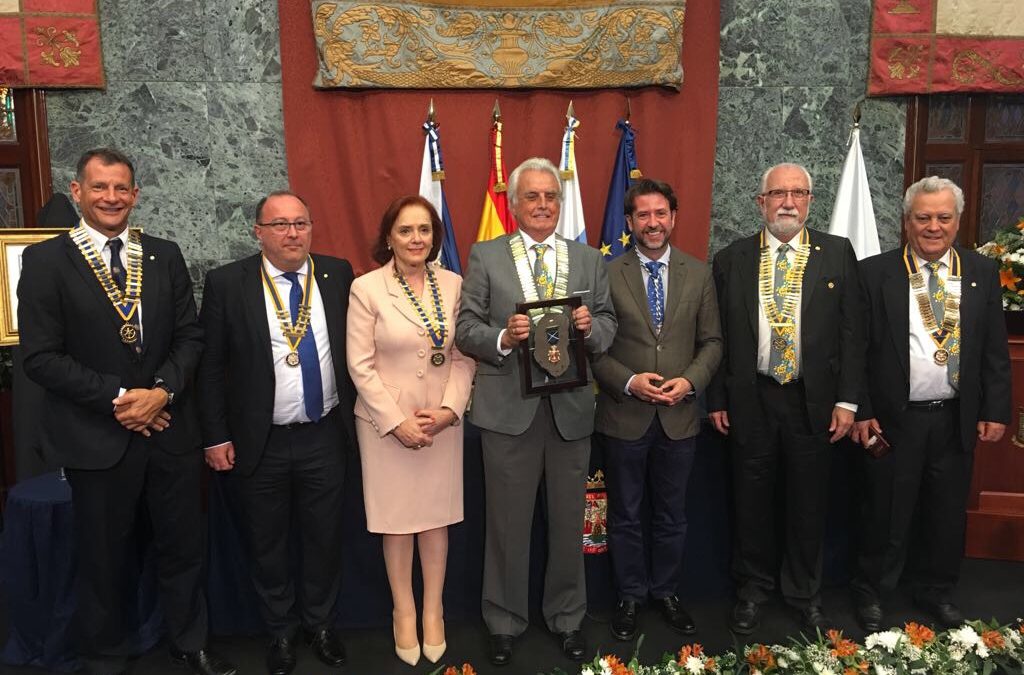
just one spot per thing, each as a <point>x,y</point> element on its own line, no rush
<point>309,361</point>
<point>655,294</point>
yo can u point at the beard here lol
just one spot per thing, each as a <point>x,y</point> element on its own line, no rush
<point>784,229</point>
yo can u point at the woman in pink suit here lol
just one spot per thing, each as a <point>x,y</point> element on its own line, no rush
<point>413,386</point>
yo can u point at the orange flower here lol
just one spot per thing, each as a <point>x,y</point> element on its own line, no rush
<point>709,664</point>
<point>859,669</point>
<point>616,666</point>
<point>1020,224</point>
<point>761,657</point>
<point>450,670</point>
<point>1008,279</point>
<point>993,639</point>
<point>919,635</point>
<point>689,650</point>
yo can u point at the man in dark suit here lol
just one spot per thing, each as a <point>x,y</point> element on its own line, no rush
<point>108,328</point>
<point>667,347</point>
<point>938,381</point>
<point>277,407</point>
<point>787,390</point>
<point>530,438</point>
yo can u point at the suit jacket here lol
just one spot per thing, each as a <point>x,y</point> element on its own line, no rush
<point>689,345</point>
<point>69,335</point>
<point>984,355</point>
<point>490,292</point>
<point>236,375</point>
<point>831,331</point>
<point>390,352</point>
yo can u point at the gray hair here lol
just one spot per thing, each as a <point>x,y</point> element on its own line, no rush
<point>930,185</point>
<point>785,165</point>
<point>532,164</point>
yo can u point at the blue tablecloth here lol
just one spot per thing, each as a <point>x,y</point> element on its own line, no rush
<point>37,569</point>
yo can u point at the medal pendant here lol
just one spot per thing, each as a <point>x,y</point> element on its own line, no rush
<point>941,356</point>
<point>292,359</point>
<point>778,343</point>
<point>553,354</point>
<point>129,333</point>
<point>437,358</point>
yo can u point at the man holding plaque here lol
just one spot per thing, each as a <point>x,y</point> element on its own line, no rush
<point>792,318</point>
<point>108,326</point>
<point>529,437</point>
<point>666,349</point>
<point>938,381</point>
<point>277,407</point>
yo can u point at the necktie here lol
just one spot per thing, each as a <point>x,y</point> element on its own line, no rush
<point>782,354</point>
<point>309,361</point>
<point>655,294</point>
<point>541,274</point>
<point>937,296</point>
<point>120,277</point>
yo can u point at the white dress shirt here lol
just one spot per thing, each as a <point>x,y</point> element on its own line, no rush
<point>99,240</point>
<point>928,380</point>
<point>531,257</point>
<point>288,402</point>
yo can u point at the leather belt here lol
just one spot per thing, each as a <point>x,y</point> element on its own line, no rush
<point>932,405</point>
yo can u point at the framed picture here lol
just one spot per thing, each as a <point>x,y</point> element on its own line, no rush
<point>13,242</point>
<point>553,357</point>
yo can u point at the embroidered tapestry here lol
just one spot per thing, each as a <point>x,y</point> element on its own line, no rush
<point>448,44</point>
<point>50,43</point>
<point>932,46</point>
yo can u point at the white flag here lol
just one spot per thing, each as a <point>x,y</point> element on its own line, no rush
<point>570,220</point>
<point>853,216</point>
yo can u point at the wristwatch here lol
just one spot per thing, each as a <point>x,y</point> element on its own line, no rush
<point>160,384</point>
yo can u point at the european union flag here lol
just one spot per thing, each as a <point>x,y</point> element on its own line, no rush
<point>615,237</point>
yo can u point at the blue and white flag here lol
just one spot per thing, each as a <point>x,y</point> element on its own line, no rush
<point>432,189</point>
<point>615,237</point>
<point>853,216</point>
<point>570,220</point>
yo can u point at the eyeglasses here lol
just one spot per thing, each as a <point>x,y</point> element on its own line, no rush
<point>797,195</point>
<point>282,226</point>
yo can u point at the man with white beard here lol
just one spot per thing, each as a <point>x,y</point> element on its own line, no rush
<point>787,389</point>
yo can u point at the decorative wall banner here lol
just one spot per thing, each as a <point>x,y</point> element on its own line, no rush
<point>932,46</point>
<point>50,43</point>
<point>449,44</point>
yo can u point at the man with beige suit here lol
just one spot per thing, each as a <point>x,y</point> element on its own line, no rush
<point>667,348</point>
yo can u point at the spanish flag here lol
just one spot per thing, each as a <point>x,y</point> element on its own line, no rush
<point>496,219</point>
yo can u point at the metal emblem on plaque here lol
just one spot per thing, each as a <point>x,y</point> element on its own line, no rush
<point>550,339</point>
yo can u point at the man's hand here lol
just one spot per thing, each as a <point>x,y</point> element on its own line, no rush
<point>582,321</point>
<point>676,389</point>
<point>411,435</point>
<point>720,420</point>
<point>842,421</point>
<point>861,432</point>
<point>517,329</point>
<point>646,387</point>
<point>435,420</point>
<point>221,457</point>
<point>990,431</point>
<point>137,409</point>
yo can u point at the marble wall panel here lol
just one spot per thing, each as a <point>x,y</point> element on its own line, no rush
<point>240,41</point>
<point>154,40</point>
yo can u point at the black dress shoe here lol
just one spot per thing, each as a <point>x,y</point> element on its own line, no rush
<point>327,646</point>
<point>745,617</point>
<point>281,657</point>
<point>623,624</point>
<point>676,617</point>
<point>573,645</point>
<point>869,616</point>
<point>202,662</point>
<point>501,649</point>
<point>948,614</point>
<point>813,620</point>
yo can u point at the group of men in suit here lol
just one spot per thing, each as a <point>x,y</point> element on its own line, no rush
<point>793,342</point>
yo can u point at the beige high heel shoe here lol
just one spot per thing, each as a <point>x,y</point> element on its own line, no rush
<point>433,652</point>
<point>410,655</point>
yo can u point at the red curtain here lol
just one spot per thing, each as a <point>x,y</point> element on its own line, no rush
<point>351,152</point>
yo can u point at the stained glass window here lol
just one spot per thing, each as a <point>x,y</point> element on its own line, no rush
<point>10,198</point>
<point>8,133</point>
<point>1004,119</point>
<point>1002,198</point>
<point>947,118</point>
<point>954,172</point>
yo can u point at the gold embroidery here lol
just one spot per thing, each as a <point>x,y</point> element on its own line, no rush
<point>65,46</point>
<point>445,46</point>
<point>969,66</point>
<point>904,62</point>
<point>904,7</point>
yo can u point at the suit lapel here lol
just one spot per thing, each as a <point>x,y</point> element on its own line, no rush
<point>676,283</point>
<point>328,288</point>
<point>747,270</point>
<point>968,296</point>
<point>255,304</point>
<point>151,281</point>
<point>92,283</point>
<point>811,272</point>
<point>896,296</point>
<point>632,274</point>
